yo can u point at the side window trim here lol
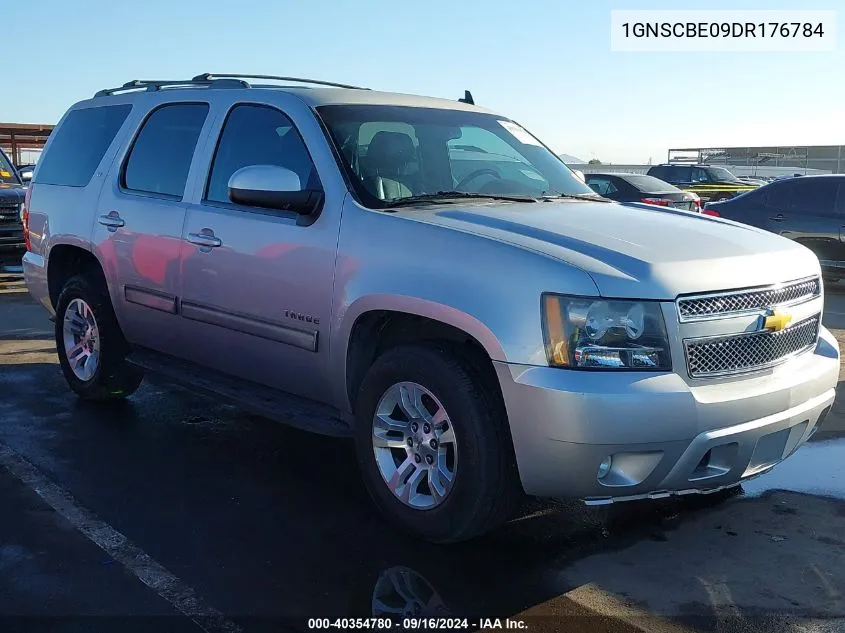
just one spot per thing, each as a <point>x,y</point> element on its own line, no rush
<point>121,173</point>
<point>206,183</point>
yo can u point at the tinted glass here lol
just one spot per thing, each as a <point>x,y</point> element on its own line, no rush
<point>679,174</point>
<point>658,172</point>
<point>814,195</point>
<point>721,174</point>
<point>602,186</point>
<point>77,146</point>
<point>650,184</point>
<point>778,195</point>
<point>7,172</point>
<point>258,135</point>
<point>161,155</point>
<point>395,152</point>
<point>700,175</point>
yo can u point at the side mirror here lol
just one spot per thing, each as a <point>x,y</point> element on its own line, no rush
<point>26,176</point>
<point>272,187</point>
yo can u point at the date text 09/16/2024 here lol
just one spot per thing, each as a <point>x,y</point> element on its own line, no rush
<point>411,623</point>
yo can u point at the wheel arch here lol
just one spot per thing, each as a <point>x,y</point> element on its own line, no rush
<point>375,324</point>
<point>65,260</point>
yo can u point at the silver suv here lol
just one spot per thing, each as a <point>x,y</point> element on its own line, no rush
<point>427,277</point>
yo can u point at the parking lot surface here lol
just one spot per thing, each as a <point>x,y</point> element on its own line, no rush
<point>175,512</point>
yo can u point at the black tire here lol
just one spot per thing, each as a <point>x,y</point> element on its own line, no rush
<point>114,378</point>
<point>486,489</point>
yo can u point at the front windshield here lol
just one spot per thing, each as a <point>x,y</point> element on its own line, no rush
<point>393,153</point>
<point>722,174</point>
<point>7,172</point>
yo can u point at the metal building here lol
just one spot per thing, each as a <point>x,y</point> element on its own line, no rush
<point>805,159</point>
<point>23,142</point>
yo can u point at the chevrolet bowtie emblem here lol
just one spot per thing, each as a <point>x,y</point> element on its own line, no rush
<point>776,321</point>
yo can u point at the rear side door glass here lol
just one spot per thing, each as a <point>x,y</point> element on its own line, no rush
<point>79,144</point>
<point>813,196</point>
<point>779,196</point>
<point>680,175</point>
<point>161,155</point>
<point>602,186</point>
<point>258,135</point>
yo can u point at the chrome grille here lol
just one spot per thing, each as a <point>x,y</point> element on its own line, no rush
<point>723,355</point>
<point>732,303</point>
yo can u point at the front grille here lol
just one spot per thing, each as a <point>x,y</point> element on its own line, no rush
<point>732,303</point>
<point>10,214</point>
<point>723,355</point>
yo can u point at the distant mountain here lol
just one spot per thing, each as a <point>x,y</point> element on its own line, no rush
<point>574,160</point>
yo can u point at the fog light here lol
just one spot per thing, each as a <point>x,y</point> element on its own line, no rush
<point>604,467</point>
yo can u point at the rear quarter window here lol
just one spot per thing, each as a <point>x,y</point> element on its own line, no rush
<point>78,145</point>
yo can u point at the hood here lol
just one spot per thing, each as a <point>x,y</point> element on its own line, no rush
<point>11,195</point>
<point>637,253</point>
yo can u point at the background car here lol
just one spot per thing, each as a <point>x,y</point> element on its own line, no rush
<point>708,181</point>
<point>641,188</point>
<point>25,172</point>
<point>809,210</point>
<point>753,180</point>
<point>11,197</point>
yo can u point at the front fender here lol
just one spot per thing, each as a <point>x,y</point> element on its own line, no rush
<point>489,289</point>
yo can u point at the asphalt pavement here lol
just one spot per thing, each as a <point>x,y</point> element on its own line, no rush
<point>175,512</point>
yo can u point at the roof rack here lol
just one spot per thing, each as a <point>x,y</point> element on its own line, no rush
<point>318,82</point>
<point>152,85</point>
<point>210,80</point>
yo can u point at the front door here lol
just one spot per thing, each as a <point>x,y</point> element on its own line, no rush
<point>257,284</point>
<point>139,223</point>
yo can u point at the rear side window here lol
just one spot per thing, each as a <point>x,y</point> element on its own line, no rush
<point>602,186</point>
<point>161,155</point>
<point>816,196</point>
<point>778,196</point>
<point>680,174</point>
<point>79,144</point>
<point>258,135</point>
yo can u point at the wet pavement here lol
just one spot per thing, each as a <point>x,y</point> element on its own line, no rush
<point>123,517</point>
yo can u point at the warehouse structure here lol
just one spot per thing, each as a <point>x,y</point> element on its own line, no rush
<point>760,160</point>
<point>23,142</point>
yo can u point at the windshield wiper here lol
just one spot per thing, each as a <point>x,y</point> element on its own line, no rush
<point>446,196</point>
<point>593,197</point>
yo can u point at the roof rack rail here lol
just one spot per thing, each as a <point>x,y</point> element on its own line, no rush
<point>152,85</point>
<point>318,82</point>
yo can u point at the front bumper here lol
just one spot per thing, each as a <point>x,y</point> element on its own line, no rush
<point>665,436</point>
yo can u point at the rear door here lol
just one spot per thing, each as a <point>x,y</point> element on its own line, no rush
<point>138,228</point>
<point>805,210</point>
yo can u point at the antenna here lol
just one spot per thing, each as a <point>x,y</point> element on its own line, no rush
<point>467,98</point>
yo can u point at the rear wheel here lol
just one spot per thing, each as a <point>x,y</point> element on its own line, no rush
<point>433,444</point>
<point>89,342</point>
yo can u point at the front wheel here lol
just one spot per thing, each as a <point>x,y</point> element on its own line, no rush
<point>89,342</point>
<point>433,444</point>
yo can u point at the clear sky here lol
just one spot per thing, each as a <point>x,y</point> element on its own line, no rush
<point>544,63</point>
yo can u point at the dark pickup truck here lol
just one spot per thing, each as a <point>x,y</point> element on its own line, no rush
<point>12,194</point>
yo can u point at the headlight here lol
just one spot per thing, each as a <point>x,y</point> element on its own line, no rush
<point>601,334</point>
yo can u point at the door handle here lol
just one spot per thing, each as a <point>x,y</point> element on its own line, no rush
<point>205,239</point>
<point>111,220</point>
<point>777,218</point>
